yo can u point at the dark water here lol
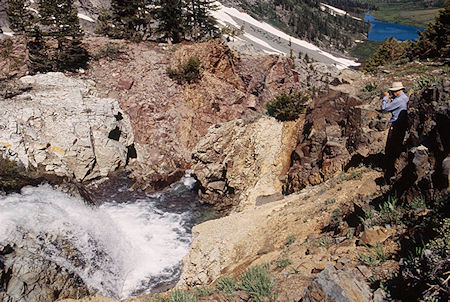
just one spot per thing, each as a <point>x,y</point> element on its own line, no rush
<point>379,30</point>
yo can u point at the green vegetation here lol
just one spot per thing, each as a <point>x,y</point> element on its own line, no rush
<point>283,263</point>
<point>57,25</point>
<point>314,25</point>
<point>203,291</point>
<point>258,283</point>
<point>181,296</point>
<point>189,72</point>
<point>405,12</point>
<point>375,257</point>
<point>111,51</point>
<point>287,107</point>
<point>175,20</point>
<point>389,212</point>
<point>290,240</point>
<point>433,43</point>
<point>226,285</point>
<point>364,50</point>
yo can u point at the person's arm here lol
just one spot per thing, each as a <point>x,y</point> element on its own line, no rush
<point>386,106</point>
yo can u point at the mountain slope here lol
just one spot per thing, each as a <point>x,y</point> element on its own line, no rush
<point>307,19</point>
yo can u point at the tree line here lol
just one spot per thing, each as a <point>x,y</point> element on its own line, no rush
<point>54,37</point>
<point>433,43</point>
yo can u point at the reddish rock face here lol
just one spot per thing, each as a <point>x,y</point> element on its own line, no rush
<point>337,128</point>
<point>168,119</point>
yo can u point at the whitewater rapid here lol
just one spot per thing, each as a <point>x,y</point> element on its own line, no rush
<point>127,248</point>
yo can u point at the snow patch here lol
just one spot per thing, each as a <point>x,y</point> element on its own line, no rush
<point>227,15</point>
<point>336,11</point>
<point>84,17</point>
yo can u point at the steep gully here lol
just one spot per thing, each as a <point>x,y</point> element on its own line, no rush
<point>323,137</point>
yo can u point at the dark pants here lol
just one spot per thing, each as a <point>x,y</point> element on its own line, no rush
<point>394,143</point>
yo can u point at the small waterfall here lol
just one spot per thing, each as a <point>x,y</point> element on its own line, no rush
<point>119,249</point>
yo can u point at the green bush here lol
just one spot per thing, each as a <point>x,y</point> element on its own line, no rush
<point>390,51</point>
<point>283,263</point>
<point>258,283</point>
<point>181,296</point>
<point>226,285</point>
<point>189,72</point>
<point>287,107</point>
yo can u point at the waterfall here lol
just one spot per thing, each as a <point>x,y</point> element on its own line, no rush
<point>119,249</point>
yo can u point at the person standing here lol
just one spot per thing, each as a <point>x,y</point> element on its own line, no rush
<point>398,123</point>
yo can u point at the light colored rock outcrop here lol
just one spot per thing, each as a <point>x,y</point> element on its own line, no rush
<point>63,127</point>
<point>256,235</point>
<point>243,160</point>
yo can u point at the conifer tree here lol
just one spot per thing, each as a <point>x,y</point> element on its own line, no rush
<point>434,42</point>
<point>59,20</point>
<point>171,19</point>
<point>128,19</point>
<point>200,22</point>
<point>38,52</point>
<point>19,16</point>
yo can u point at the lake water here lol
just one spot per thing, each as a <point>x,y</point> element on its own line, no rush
<point>379,30</point>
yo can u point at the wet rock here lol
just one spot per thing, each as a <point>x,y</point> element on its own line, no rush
<point>62,127</point>
<point>27,276</point>
<point>337,285</point>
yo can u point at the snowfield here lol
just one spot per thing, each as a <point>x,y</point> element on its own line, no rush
<point>272,40</point>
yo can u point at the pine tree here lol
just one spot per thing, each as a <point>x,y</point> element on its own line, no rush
<point>171,19</point>
<point>19,16</point>
<point>38,52</point>
<point>200,22</point>
<point>128,19</point>
<point>59,20</point>
<point>434,42</point>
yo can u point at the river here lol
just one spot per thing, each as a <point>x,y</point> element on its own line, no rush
<point>131,244</point>
<point>380,30</point>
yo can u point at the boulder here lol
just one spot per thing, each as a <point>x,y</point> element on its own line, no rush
<point>60,125</point>
<point>339,286</point>
<point>338,128</point>
<point>239,162</point>
<point>27,276</point>
<point>375,235</point>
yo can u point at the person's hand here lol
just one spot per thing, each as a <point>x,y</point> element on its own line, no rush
<point>386,94</point>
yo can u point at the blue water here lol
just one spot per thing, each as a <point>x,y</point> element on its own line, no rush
<point>379,30</point>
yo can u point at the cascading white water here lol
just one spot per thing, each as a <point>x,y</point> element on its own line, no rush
<point>122,249</point>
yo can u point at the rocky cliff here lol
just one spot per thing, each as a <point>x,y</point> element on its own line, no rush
<point>61,125</point>
<point>242,162</point>
<point>168,118</point>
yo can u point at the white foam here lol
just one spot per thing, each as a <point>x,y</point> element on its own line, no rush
<point>137,242</point>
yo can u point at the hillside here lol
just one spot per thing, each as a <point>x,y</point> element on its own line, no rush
<point>308,20</point>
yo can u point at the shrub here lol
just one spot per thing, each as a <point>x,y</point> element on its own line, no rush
<point>181,296</point>
<point>283,263</point>
<point>189,72</point>
<point>287,107</point>
<point>375,256</point>
<point>226,285</point>
<point>258,283</point>
<point>390,51</point>
<point>203,291</point>
<point>289,240</point>
<point>111,51</point>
